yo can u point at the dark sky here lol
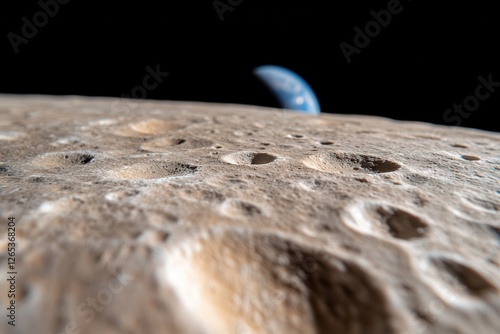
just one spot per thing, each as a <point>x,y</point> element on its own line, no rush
<point>427,58</point>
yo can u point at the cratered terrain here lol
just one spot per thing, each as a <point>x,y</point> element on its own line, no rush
<point>181,217</point>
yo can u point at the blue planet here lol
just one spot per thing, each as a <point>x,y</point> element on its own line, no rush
<point>289,88</point>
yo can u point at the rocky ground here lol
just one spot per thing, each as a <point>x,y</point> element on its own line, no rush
<point>180,217</point>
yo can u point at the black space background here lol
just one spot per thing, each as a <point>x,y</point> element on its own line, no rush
<point>427,59</point>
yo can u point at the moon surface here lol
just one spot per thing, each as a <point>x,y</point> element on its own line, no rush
<point>188,217</point>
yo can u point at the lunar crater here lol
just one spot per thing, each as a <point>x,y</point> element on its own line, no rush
<point>154,170</point>
<point>249,158</point>
<point>341,162</point>
<point>65,159</point>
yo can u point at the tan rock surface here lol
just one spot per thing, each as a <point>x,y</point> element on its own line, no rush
<point>202,218</point>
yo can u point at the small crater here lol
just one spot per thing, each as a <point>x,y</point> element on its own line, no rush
<point>326,142</point>
<point>470,157</point>
<point>383,220</point>
<point>293,135</point>
<point>377,165</point>
<point>249,158</point>
<point>402,224</point>
<point>79,159</point>
<point>460,145</point>
<point>262,158</point>
<point>154,170</point>
<point>461,277</point>
<point>64,159</point>
<point>346,163</point>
